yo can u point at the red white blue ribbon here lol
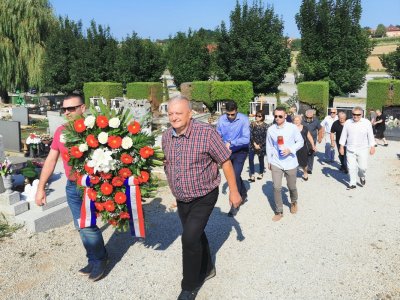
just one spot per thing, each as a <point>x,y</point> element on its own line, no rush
<point>134,205</point>
<point>88,209</point>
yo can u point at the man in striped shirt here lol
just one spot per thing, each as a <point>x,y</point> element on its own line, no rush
<point>193,151</point>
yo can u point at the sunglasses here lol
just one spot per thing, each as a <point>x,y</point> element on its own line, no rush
<point>356,115</point>
<point>231,115</point>
<point>258,116</point>
<point>279,116</point>
<point>70,108</point>
<point>333,112</point>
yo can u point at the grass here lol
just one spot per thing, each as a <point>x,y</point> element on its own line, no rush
<point>6,229</point>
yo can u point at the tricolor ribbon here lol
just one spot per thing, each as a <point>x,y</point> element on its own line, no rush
<point>88,209</point>
<point>134,205</point>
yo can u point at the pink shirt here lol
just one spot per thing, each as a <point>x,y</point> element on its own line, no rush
<point>58,145</point>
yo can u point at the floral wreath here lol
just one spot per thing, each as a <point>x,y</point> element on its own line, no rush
<point>111,158</point>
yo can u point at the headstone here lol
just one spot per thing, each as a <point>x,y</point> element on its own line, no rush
<point>55,120</point>
<point>95,102</point>
<point>392,121</point>
<point>2,156</point>
<point>11,132</point>
<point>141,112</point>
<point>21,115</point>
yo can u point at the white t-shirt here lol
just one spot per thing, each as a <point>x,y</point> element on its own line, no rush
<point>357,135</point>
<point>327,124</point>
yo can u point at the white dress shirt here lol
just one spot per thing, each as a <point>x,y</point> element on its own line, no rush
<point>357,135</point>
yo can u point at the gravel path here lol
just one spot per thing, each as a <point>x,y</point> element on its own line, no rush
<point>341,245</point>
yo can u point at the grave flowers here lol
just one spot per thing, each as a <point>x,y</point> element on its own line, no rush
<point>112,160</point>
<point>33,140</point>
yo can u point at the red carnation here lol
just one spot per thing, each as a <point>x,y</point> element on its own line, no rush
<point>120,197</point>
<point>92,141</point>
<point>78,177</point>
<point>106,188</point>
<point>134,127</point>
<point>92,194</point>
<point>146,152</point>
<point>114,141</point>
<point>144,176</point>
<point>109,206</point>
<point>126,159</point>
<point>65,156</point>
<point>113,222</point>
<point>102,121</point>
<point>79,125</point>
<point>88,169</point>
<point>99,206</point>
<point>125,173</point>
<point>124,215</point>
<point>117,181</point>
<point>75,152</point>
<point>94,179</point>
<point>105,176</point>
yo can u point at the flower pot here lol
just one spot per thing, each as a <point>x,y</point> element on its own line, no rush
<point>8,183</point>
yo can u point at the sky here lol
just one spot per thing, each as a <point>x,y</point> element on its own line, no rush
<point>159,19</point>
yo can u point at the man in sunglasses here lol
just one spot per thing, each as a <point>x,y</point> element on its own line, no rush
<point>234,128</point>
<point>358,137</point>
<point>73,106</point>
<point>283,141</point>
<point>314,126</point>
<point>326,125</point>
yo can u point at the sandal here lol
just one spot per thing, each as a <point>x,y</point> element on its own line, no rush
<point>252,179</point>
<point>260,176</point>
<point>304,178</point>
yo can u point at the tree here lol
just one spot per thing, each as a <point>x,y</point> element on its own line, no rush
<point>24,27</point>
<point>334,47</point>
<point>253,48</point>
<point>391,62</point>
<point>188,58</point>
<point>380,31</point>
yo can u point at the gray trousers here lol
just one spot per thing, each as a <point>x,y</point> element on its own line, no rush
<point>277,175</point>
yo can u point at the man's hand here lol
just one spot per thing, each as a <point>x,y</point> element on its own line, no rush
<point>286,152</point>
<point>228,145</point>
<point>341,150</point>
<point>235,199</point>
<point>40,197</point>
<point>372,150</point>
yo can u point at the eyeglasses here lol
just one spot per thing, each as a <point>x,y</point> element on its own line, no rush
<point>258,116</point>
<point>356,115</point>
<point>278,116</point>
<point>70,108</point>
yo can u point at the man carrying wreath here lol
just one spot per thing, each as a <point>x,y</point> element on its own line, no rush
<point>193,151</point>
<point>92,238</point>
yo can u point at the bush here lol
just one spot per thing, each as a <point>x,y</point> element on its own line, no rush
<point>240,91</point>
<point>108,90</point>
<point>316,94</point>
<point>201,91</point>
<point>382,92</point>
<point>145,90</point>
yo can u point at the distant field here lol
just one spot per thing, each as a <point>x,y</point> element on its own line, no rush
<point>383,49</point>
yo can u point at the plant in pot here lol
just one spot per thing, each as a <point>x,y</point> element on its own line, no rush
<point>33,140</point>
<point>6,176</point>
<point>30,173</point>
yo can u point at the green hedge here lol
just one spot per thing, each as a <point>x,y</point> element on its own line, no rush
<point>201,91</point>
<point>145,90</point>
<point>316,94</point>
<point>209,92</point>
<point>379,95</point>
<point>107,90</point>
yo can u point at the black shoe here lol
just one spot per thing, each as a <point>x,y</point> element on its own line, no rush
<point>98,270</point>
<point>188,295</point>
<point>86,270</point>
<point>351,187</point>
<point>362,181</point>
<point>385,145</point>
<point>309,171</point>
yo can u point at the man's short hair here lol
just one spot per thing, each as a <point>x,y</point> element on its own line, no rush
<point>280,108</point>
<point>180,98</point>
<point>230,105</point>
<point>310,112</point>
<point>358,108</point>
<point>342,113</point>
<point>75,94</point>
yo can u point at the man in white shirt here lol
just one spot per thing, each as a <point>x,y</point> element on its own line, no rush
<point>326,125</point>
<point>283,141</point>
<point>358,137</point>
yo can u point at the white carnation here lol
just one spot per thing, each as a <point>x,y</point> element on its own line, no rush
<point>114,122</point>
<point>89,121</point>
<point>83,147</point>
<point>103,137</point>
<point>127,142</point>
<point>102,160</point>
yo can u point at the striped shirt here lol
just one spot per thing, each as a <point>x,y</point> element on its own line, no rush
<point>192,160</point>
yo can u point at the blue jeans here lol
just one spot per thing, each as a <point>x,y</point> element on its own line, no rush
<point>329,152</point>
<point>251,162</point>
<point>238,158</point>
<point>91,237</point>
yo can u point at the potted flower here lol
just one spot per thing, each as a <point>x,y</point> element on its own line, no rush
<point>6,175</point>
<point>33,140</point>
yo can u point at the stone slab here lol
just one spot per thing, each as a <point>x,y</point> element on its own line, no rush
<point>11,132</point>
<point>55,120</point>
<point>9,199</point>
<point>15,209</point>
<point>21,115</point>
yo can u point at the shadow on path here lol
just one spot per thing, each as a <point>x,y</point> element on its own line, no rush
<point>336,174</point>
<point>268,190</point>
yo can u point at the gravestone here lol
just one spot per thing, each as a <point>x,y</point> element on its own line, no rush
<point>55,120</point>
<point>141,112</point>
<point>11,132</point>
<point>20,114</point>
<point>392,121</point>
<point>2,156</point>
<point>94,101</point>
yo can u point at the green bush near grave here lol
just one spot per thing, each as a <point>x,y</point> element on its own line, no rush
<point>145,90</point>
<point>382,92</point>
<point>107,90</point>
<point>316,94</point>
<point>209,92</point>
